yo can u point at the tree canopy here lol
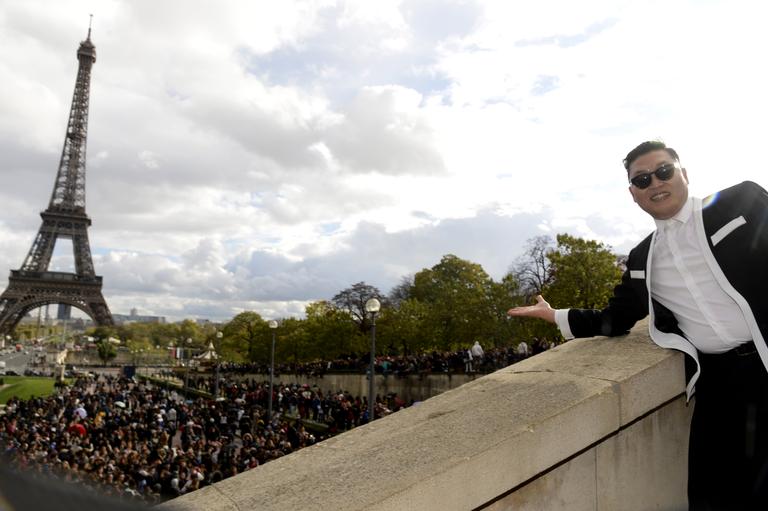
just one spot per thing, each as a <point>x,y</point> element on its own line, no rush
<point>584,273</point>
<point>248,336</point>
<point>447,306</point>
<point>458,294</point>
<point>352,300</point>
<point>533,269</point>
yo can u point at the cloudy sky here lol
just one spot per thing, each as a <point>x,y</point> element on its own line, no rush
<point>254,155</point>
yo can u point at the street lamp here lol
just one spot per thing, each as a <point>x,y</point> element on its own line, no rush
<point>139,360</point>
<point>273,326</point>
<point>171,356</point>
<point>219,335</point>
<point>372,306</point>
<point>189,363</point>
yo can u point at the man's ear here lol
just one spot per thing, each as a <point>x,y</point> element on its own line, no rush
<point>631,190</point>
<point>685,175</point>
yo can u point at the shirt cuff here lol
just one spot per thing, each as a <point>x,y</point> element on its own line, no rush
<point>561,320</point>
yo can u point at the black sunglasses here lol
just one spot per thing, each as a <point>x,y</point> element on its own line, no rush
<point>663,173</point>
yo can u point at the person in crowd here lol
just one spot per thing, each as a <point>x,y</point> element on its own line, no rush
<point>477,354</point>
<point>468,368</point>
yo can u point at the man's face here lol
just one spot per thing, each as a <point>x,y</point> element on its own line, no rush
<point>662,199</point>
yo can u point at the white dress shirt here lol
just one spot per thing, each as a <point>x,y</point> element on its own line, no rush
<point>683,283</point>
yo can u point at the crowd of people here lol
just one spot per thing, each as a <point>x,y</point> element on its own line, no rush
<point>141,441</point>
<point>474,359</point>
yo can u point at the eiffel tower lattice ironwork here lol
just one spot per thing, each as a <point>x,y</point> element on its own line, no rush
<point>34,285</point>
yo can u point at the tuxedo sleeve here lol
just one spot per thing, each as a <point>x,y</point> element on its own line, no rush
<point>628,305</point>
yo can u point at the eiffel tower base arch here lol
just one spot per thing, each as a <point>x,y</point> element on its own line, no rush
<point>28,290</point>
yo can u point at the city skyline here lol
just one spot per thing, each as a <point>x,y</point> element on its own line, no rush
<point>259,159</point>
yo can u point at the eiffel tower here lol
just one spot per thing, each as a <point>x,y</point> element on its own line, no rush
<point>34,285</point>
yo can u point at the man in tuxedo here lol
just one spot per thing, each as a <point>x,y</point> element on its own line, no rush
<point>702,277</point>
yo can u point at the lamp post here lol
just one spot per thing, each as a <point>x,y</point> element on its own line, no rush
<point>219,336</point>
<point>171,356</point>
<point>189,363</point>
<point>64,334</point>
<point>372,306</point>
<point>139,360</point>
<point>273,326</point>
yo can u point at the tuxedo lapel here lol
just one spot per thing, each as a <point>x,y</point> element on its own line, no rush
<point>667,339</point>
<point>717,271</point>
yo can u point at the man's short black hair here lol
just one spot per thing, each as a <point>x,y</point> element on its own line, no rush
<point>647,147</point>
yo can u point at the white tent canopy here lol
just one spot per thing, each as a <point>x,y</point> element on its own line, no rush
<point>208,354</point>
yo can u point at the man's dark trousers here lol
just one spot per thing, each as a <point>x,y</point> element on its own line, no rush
<point>728,446</point>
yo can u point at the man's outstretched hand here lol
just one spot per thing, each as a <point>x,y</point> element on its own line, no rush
<point>541,310</point>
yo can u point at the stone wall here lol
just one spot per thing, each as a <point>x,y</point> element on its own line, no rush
<point>597,424</point>
<point>412,387</point>
<point>409,387</point>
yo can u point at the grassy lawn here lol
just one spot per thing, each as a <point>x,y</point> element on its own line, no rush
<point>25,387</point>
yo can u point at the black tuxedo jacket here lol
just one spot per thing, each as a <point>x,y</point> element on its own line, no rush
<point>732,228</point>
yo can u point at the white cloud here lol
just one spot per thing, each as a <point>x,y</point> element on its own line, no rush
<point>385,131</point>
<point>250,157</point>
<point>149,160</point>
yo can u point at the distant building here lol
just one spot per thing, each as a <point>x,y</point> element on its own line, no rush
<point>79,323</point>
<point>135,317</point>
<point>64,311</point>
<point>28,319</point>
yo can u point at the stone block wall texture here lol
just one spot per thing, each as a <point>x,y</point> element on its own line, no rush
<point>598,424</point>
<point>409,387</point>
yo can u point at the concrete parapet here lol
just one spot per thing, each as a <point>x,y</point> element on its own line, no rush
<point>410,387</point>
<point>593,424</point>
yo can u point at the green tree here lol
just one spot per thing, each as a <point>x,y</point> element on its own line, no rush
<point>187,329</point>
<point>134,345</point>
<point>458,295</point>
<point>291,341</point>
<point>352,301</point>
<point>584,273</point>
<point>246,337</point>
<point>103,332</point>
<point>503,296</point>
<point>533,269</point>
<point>106,351</point>
<point>406,328</point>
<point>329,331</point>
<point>401,292</point>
